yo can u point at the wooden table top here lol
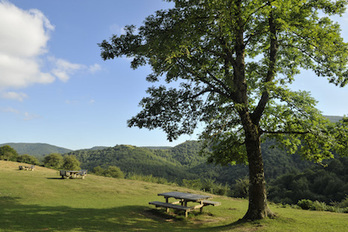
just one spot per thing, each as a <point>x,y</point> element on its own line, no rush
<point>185,196</point>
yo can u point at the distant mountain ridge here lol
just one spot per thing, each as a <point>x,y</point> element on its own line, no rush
<point>36,149</point>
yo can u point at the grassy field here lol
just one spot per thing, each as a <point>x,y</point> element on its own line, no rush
<point>40,201</point>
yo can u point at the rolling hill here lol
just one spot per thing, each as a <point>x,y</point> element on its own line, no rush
<point>41,201</point>
<point>36,149</point>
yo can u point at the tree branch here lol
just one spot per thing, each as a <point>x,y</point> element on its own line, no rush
<point>285,132</point>
<point>256,115</point>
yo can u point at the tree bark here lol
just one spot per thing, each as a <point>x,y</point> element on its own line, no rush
<point>258,207</point>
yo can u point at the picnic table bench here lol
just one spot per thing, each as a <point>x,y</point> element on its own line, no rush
<point>73,174</point>
<point>31,168</point>
<point>184,198</point>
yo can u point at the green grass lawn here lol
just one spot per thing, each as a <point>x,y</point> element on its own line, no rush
<point>40,201</point>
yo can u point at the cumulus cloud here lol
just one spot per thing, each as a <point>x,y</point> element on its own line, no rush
<point>14,95</point>
<point>24,35</point>
<point>63,69</point>
<point>26,116</point>
<point>23,38</point>
<point>94,68</point>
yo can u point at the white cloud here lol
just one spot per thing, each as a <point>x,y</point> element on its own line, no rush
<point>23,115</point>
<point>94,68</point>
<point>14,96</point>
<point>27,116</point>
<point>63,69</point>
<point>10,110</point>
<point>23,38</point>
<point>24,35</point>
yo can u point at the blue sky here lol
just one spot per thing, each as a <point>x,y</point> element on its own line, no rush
<point>55,88</point>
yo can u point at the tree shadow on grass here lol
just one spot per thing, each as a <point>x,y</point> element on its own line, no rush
<point>18,217</point>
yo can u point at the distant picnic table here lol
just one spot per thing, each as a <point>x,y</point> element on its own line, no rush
<point>73,174</point>
<point>31,168</point>
<point>183,199</point>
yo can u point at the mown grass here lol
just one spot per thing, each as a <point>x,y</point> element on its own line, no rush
<point>41,201</point>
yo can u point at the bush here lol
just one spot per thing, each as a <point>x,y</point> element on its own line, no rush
<point>305,204</point>
<point>148,178</point>
<point>319,206</point>
<point>344,203</point>
<point>114,172</point>
<point>53,160</point>
<point>241,188</point>
<point>70,163</point>
<point>193,184</point>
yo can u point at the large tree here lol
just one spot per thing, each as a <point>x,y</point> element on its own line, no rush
<point>228,63</point>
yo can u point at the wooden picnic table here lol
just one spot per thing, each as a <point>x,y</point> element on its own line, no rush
<point>72,174</point>
<point>31,168</point>
<point>184,198</point>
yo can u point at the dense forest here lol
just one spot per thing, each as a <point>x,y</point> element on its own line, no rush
<point>36,149</point>
<point>327,183</point>
<point>185,162</point>
<point>289,178</point>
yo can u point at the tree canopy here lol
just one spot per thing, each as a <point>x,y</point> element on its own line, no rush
<point>70,162</point>
<point>231,63</point>
<point>8,153</point>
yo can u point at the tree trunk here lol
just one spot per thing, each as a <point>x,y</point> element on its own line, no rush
<point>258,208</point>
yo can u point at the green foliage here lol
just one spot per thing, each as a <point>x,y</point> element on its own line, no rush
<point>148,178</point>
<point>29,159</point>
<point>321,206</point>
<point>323,183</point>
<point>233,65</point>
<point>8,153</point>
<point>241,188</point>
<point>232,62</point>
<point>98,170</point>
<point>36,201</point>
<point>70,162</point>
<point>37,149</point>
<point>53,160</point>
<point>344,203</point>
<point>130,159</point>
<point>113,171</point>
<point>305,204</point>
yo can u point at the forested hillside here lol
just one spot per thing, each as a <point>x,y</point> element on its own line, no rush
<point>184,162</point>
<point>36,149</point>
<point>289,178</point>
<point>131,159</point>
<point>325,183</point>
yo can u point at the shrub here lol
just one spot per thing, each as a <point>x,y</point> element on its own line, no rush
<point>114,172</point>
<point>70,163</point>
<point>319,206</point>
<point>53,160</point>
<point>193,184</point>
<point>344,203</point>
<point>241,188</point>
<point>305,204</point>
